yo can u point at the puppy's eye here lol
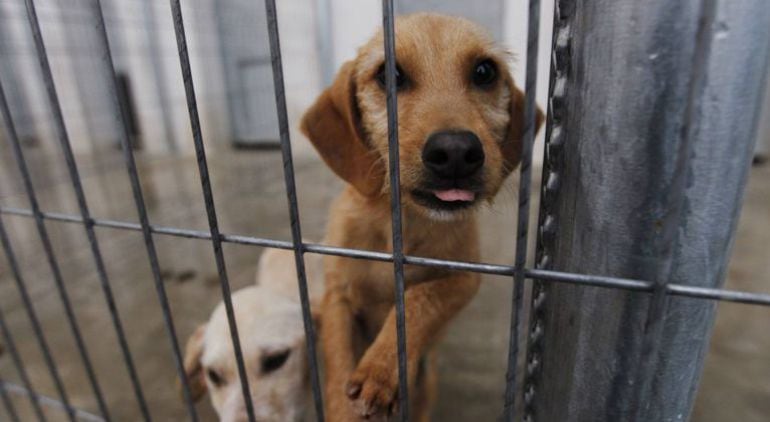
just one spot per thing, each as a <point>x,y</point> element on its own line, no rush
<point>274,361</point>
<point>215,377</point>
<point>485,73</point>
<point>400,77</point>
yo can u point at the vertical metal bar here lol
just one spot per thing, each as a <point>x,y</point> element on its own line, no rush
<point>208,197</point>
<point>69,157</point>
<point>549,189</point>
<point>20,284</point>
<point>291,194</point>
<point>19,364</point>
<point>7,403</point>
<point>388,17</point>
<point>762,150</point>
<point>522,228</point>
<point>141,208</point>
<point>643,183</point>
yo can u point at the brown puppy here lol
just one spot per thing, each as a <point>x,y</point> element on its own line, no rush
<point>460,128</point>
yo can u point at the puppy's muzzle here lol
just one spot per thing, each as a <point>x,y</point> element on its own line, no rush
<point>453,155</point>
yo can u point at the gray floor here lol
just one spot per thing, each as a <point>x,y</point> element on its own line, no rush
<point>250,199</point>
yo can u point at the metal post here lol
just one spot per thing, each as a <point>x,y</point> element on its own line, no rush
<point>653,110</point>
<point>762,151</point>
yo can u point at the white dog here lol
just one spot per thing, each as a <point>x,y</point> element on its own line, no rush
<point>270,327</point>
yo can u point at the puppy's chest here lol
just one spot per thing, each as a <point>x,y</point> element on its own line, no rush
<point>372,291</point>
<point>376,282</point>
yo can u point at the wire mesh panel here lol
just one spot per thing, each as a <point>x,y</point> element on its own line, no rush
<point>558,281</point>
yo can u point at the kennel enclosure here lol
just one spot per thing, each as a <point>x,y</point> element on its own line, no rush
<point>651,120</point>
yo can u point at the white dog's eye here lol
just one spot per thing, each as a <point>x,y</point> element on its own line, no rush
<point>215,378</point>
<point>274,361</point>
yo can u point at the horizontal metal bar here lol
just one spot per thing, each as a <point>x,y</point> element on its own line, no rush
<point>762,299</point>
<point>737,296</point>
<point>20,368</point>
<point>9,406</point>
<point>49,402</point>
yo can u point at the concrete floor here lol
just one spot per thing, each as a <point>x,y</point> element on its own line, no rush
<point>250,199</point>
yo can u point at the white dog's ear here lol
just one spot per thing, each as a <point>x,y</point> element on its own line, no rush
<point>196,378</point>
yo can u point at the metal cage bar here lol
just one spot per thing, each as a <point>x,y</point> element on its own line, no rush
<point>522,223</point>
<point>662,277</point>
<point>74,175</point>
<point>53,264</point>
<point>208,198</point>
<point>549,188</point>
<point>291,196</point>
<point>752,298</point>
<point>395,201</point>
<point>10,409</point>
<point>20,368</point>
<point>80,414</point>
<point>694,69</point>
<point>141,209</point>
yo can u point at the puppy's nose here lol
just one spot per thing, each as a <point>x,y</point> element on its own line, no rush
<point>453,154</point>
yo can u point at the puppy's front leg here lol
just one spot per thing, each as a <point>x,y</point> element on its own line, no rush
<point>337,343</point>
<point>429,307</point>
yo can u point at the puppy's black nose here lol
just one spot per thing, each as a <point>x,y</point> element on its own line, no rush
<point>453,154</point>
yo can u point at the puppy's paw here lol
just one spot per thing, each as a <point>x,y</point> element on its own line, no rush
<point>373,387</point>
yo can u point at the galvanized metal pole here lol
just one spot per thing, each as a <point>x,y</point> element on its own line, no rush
<point>762,150</point>
<point>654,111</point>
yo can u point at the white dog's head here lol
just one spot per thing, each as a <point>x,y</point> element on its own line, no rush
<point>273,343</point>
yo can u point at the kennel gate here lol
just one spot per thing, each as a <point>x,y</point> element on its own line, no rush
<point>682,113</point>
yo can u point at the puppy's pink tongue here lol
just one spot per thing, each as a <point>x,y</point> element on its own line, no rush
<point>452,195</point>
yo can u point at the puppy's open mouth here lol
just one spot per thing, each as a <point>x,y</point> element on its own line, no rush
<point>445,200</point>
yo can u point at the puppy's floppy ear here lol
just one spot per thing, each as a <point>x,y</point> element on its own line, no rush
<point>512,145</point>
<point>196,377</point>
<point>333,124</point>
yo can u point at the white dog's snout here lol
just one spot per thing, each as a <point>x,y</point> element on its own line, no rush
<point>234,408</point>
